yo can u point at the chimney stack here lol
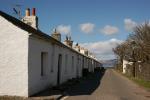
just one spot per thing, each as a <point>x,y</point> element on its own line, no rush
<point>77,47</point>
<point>27,12</point>
<point>31,20</point>
<point>56,35</point>
<point>68,41</point>
<point>33,11</point>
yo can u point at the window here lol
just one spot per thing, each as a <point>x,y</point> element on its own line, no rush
<point>44,62</point>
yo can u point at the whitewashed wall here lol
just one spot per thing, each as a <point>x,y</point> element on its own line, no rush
<point>125,62</point>
<point>13,59</point>
<point>20,62</point>
<point>36,81</point>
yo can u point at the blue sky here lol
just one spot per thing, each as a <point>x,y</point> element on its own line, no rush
<point>92,23</point>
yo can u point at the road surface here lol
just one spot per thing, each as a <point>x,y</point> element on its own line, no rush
<point>110,86</point>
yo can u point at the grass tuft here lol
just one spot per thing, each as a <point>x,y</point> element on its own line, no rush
<point>140,82</point>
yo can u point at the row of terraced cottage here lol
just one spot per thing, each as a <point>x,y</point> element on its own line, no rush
<point>31,61</point>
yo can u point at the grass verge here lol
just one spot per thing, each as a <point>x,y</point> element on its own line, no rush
<point>140,82</point>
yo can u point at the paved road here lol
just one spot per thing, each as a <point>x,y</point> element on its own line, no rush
<point>112,86</point>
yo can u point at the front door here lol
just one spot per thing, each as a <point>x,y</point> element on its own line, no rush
<point>59,69</point>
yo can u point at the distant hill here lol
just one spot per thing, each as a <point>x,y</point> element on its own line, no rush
<point>109,63</point>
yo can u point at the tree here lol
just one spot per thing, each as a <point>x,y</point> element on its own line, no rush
<point>137,46</point>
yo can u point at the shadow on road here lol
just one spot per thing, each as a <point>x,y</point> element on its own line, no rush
<point>88,85</point>
<point>84,86</point>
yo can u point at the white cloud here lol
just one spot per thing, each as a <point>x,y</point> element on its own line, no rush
<point>103,49</point>
<point>129,24</point>
<point>64,29</point>
<point>109,30</point>
<point>87,27</point>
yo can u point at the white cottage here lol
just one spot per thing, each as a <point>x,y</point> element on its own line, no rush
<point>31,61</point>
<point>125,63</point>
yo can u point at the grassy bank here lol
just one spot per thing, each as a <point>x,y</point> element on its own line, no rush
<point>140,82</point>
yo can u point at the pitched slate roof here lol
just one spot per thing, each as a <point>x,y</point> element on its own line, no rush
<point>24,26</point>
<point>30,29</point>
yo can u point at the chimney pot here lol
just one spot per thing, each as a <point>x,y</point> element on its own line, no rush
<point>27,12</point>
<point>33,12</point>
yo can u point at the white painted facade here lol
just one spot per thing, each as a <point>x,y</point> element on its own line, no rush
<point>13,59</point>
<point>125,63</point>
<point>29,62</point>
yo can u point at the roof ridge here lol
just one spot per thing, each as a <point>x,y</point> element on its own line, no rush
<point>30,29</point>
<point>17,22</point>
<point>23,25</point>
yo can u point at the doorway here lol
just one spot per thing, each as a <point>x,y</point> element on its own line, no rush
<point>59,69</point>
<point>78,64</point>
